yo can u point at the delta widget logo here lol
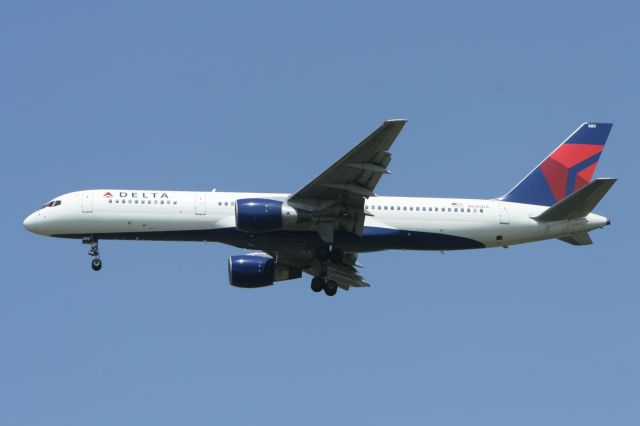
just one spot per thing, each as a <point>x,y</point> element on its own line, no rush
<point>570,167</point>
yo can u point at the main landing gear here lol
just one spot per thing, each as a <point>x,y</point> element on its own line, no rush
<point>330,287</point>
<point>96,262</point>
<point>321,282</point>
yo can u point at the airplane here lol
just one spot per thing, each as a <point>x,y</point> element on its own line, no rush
<point>321,229</point>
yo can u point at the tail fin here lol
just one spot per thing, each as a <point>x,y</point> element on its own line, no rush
<point>567,169</point>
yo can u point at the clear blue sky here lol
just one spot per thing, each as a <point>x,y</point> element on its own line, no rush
<point>262,96</point>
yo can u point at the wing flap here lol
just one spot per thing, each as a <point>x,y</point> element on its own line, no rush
<point>345,273</point>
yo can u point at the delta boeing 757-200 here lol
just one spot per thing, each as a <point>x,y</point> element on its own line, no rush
<point>321,229</point>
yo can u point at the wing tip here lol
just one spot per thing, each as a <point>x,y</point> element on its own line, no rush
<point>395,120</point>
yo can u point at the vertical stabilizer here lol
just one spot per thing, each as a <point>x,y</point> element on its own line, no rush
<point>567,169</point>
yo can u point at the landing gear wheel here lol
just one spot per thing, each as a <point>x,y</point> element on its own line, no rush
<point>336,255</point>
<point>96,264</point>
<point>331,288</point>
<point>317,284</point>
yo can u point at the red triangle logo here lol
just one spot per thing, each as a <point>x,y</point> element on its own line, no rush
<point>107,195</point>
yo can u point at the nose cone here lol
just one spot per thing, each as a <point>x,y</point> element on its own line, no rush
<point>31,223</point>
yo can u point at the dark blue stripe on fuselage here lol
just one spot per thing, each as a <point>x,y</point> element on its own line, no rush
<point>373,239</point>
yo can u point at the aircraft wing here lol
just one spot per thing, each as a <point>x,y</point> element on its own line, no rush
<point>336,197</point>
<point>344,273</point>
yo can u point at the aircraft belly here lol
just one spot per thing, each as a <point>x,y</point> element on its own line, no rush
<point>373,239</point>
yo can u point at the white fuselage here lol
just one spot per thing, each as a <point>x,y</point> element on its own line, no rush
<point>196,216</point>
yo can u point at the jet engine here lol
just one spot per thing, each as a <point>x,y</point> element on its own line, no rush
<point>264,215</point>
<point>252,271</point>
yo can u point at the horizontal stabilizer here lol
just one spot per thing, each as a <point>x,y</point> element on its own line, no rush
<point>581,239</point>
<point>578,204</point>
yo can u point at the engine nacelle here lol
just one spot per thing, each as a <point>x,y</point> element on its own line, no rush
<point>252,271</point>
<point>263,215</point>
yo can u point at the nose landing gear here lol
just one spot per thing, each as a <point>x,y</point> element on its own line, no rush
<point>96,263</point>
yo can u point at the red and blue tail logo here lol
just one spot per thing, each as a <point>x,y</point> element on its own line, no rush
<point>565,170</point>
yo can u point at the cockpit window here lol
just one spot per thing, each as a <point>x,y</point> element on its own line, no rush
<point>52,204</point>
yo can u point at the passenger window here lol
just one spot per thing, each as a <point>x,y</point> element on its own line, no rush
<point>468,210</point>
<point>161,201</point>
<point>475,210</point>
<point>405,208</point>
<point>385,207</point>
<point>175,202</point>
<point>436,209</point>
<point>136,201</point>
<point>110,201</point>
<point>481,211</point>
<point>155,201</point>
<point>219,203</point>
<point>455,210</point>
<point>391,207</point>
<point>411,208</point>
<point>429,208</point>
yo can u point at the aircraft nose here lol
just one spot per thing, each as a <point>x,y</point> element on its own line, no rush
<point>31,223</point>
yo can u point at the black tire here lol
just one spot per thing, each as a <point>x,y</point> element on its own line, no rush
<point>317,284</point>
<point>336,255</point>
<point>331,288</point>
<point>96,264</point>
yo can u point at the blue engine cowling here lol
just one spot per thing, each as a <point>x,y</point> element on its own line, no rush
<point>258,215</point>
<point>253,271</point>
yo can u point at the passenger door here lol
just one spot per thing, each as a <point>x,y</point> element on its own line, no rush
<point>504,214</point>
<point>87,202</point>
<point>201,204</point>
